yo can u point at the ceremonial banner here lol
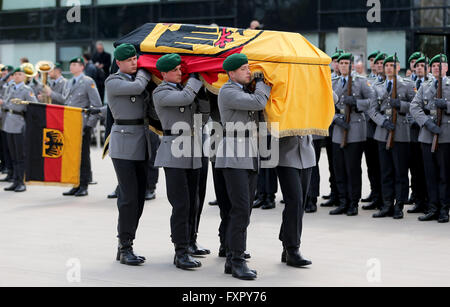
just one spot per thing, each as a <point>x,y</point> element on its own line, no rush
<point>53,149</point>
<point>301,99</point>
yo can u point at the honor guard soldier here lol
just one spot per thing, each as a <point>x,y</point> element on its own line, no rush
<point>129,145</point>
<point>378,62</point>
<point>14,126</point>
<point>425,108</point>
<point>237,155</point>
<point>335,64</point>
<point>412,61</point>
<point>57,84</point>
<point>373,71</point>
<point>175,105</point>
<point>393,157</point>
<point>8,81</point>
<point>81,92</point>
<point>347,157</point>
<point>419,195</point>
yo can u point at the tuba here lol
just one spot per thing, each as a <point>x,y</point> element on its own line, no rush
<point>44,67</point>
<point>30,70</point>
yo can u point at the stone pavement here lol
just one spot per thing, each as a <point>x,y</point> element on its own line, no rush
<point>50,240</point>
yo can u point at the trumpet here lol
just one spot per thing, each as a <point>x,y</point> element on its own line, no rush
<point>44,67</point>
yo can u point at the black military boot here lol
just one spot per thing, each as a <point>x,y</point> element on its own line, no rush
<point>443,216</point>
<point>12,187</point>
<point>195,249</point>
<point>222,251</point>
<point>386,210</point>
<point>419,207</point>
<point>352,209</point>
<point>228,266</point>
<point>259,201</point>
<point>432,213</point>
<point>20,188</point>
<point>183,260</point>
<point>113,195</point>
<point>239,268</point>
<point>150,195</point>
<point>398,210</point>
<point>311,204</point>
<point>295,259</point>
<point>342,209</point>
<point>369,198</point>
<point>82,191</point>
<point>126,255</point>
<point>332,202</point>
<point>269,203</point>
<point>327,197</point>
<point>71,192</point>
<point>376,203</point>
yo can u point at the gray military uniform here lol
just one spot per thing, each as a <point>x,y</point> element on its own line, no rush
<point>127,102</point>
<point>57,86</point>
<point>174,105</point>
<point>296,152</point>
<point>82,94</point>
<point>15,123</point>
<point>423,109</point>
<point>380,110</point>
<point>365,95</point>
<point>237,106</point>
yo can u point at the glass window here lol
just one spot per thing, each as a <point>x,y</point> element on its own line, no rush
<point>430,44</point>
<point>26,4</point>
<point>106,2</point>
<point>75,2</point>
<point>429,18</point>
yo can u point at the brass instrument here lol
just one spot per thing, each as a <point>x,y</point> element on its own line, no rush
<point>29,70</point>
<point>44,67</point>
<point>1,66</point>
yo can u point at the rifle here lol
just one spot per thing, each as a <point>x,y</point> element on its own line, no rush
<point>391,137</point>
<point>435,145</point>
<point>426,69</point>
<point>348,109</point>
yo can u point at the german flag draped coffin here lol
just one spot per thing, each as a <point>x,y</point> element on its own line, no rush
<point>53,149</point>
<point>301,100</point>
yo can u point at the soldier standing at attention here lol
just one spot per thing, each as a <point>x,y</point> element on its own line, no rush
<point>81,92</point>
<point>373,71</point>
<point>57,84</point>
<point>424,109</point>
<point>393,161</point>
<point>14,126</point>
<point>175,105</point>
<point>129,145</point>
<point>412,61</point>
<point>237,155</point>
<point>378,62</point>
<point>347,160</point>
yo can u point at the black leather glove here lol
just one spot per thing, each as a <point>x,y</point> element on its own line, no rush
<point>432,127</point>
<point>93,111</point>
<point>341,123</point>
<point>388,125</point>
<point>440,103</point>
<point>195,75</point>
<point>350,100</point>
<point>258,76</point>
<point>395,103</point>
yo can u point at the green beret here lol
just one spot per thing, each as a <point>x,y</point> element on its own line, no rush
<point>379,57</point>
<point>8,68</point>
<point>77,60</point>
<point>234,61</point>
<point>345,56</point>
<point>168,62</point>
<point>18,69</point>
<point>415,56</point>
<point>124,51</point>
<point>436,59</point>
<point>337,54</point>
<point>58,65</point>
<point>390,59</point>
<point>374,54</point>
<point>422,59</point>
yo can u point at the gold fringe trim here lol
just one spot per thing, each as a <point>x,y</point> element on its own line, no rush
<point>302,132</point>
<point>210,88</point>
<point>56,184</point>
<point>106,147</point>
<point>158,132</point>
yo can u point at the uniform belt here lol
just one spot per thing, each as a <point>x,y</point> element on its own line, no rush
<point>236,134</point>
<point>15,112</point>
<point>180,133</point>
<point>129,122</point>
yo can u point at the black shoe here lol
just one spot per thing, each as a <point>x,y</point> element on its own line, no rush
<point>82,191</point>
<point>149,195</point>
<point>398,210</point>
<point>374,205</point>
<point>293,258</point>
<point>368,199</point>
<point>72,192</point>
<point>113,195</point>
<point>282,201</point>
<point>196,250</point>
<point>93,182</point>
<point>213,203</point>
<point>20,188</point>
<point>443,215</point>
<point>342,209</point>
<point>386,210</point>
<point>330,203</point>
<point>269,204</point>
<point>258,203</point>
<point>352,209</point>
<point>240,270</point>
<point>228,268</point>
<point>432,214</point>
<point>126,255</point>
<point>326,197</point>
<point>311,205</point>
<point>12,187</point>
<point>186,262</point>
<point>222,251</point>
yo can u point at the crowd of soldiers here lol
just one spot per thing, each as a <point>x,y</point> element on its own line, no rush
<point>401,124</point>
